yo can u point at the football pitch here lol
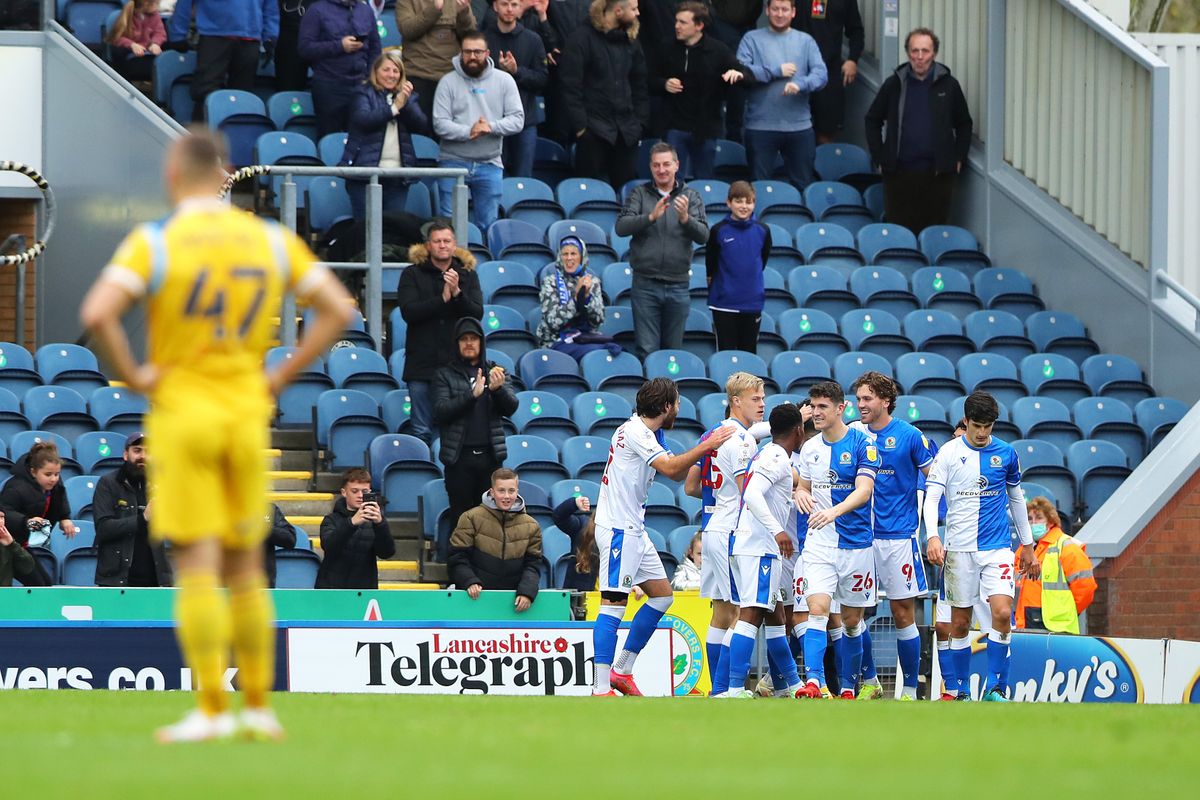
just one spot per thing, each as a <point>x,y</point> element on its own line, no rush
<point>66,744</point>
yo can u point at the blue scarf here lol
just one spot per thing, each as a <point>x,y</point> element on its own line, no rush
<point>564,291</point>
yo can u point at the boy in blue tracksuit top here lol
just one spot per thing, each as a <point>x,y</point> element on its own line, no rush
<point>735,256</point>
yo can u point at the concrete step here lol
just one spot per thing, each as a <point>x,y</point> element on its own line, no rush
<point>292,438</point>
<point>302,503</point>
<point>289,480</point>
<point>274,458</point>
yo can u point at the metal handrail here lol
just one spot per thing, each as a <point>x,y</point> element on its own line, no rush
<point>1162,281</point>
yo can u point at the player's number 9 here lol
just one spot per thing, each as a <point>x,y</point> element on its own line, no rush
<point>214,308</point>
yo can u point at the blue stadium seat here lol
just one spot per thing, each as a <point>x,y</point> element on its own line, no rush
<point>1047,419</point>
<point>330,148</point>
<point>347,421</point>
<point>780,203</point>
<point>327,203</point>
<point>712,408</point>
<point>1110,419</point>
<point>515,240</point>
<point>1062,333</point>
<point>698,283</point>
<point>814,331</point>
<point>537,503</point>
<point>86,19</point>
<point>783,256</point>
<point>999,332</point>
<point>551,162</point>
<point>80,491</point>
<point>883,288</point>
<point>296,401</point>
<point>509,283</point>
<point>1052,375</point>
<point>1100,468</point>
<point>397,410</point>
<point>172,79</point>
<point>536,460</point>
<point>770,343</point>
<point>1156,415</point>
<point>991,373</point>
<point>620,374</point>
<point>1116,376</point>
<point>890,245</point>
<point>361,369</point>
<point>296,569</point>
<point>505,331</point>
<point>849,366</point>
<point>293,112</point>
<point>841,161</point>
<point>562,491</point>
<point>953,246</point>
<point>663,514</point>
<point>400,465</point>
<point>616,281</point>
<point>17,371</point>
<point>1045,464</point>
<point>687,370</point>
<point>585,456</point>
<point>286,148</point>
<point>71,366</point>
<point>946,289</point>
<point>873,199</point>
<point>544,414</point>
<point>589,199</point>
<point>829,244</point>
<point>12,418</point>
<point>1004,427</point>
<point>930,375</point>
<point>556,547</point>
<point>680,539</point>
<point>530,200</point>
<point>118,409</point>
<point>729,161</point>
<point>938,332</point>
<point>620,244</point>
<point>242,117</point>
<point>58,409</point>
<point>618,323</point>
<point>839,203</point>
<point>925,414</point>
<point>698,336</point>
<point>1034,489</point>
<point>23,441</point>
<point>797,370</point>
<point>714,193</point>
<point>776,297</point>
<point>875,330</point>
<point>433,510</point>
<point>724,363</point>
<point>551,370</point>
<point>600,413</point>
<point>822,288</point>
<point>100,451</point>
<point>1009,290</point>
<point>79,568</point>
<point>426,150</point>
<point>48,562</point>
<point>600,253</point>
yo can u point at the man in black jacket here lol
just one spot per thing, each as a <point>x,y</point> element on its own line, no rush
<point>471,396</point>
<point>434,293</point>
<point>519,52</point>
<point>603,78</point>
<point>829,22</point>
<point>353,536</point>
<point>280,534</point>
<point>928,135</point>
<point>693,70</point>
<point>125,554</point>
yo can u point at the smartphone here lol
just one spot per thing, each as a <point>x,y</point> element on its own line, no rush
<point>357,38</point>
<point>370,497</point>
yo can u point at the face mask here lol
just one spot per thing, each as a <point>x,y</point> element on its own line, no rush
<point>1039,530</point>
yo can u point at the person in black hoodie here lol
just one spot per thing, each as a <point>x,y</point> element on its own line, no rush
<point>519,52</point>
<point>435,292</point>
<point>693,71</point>
<point>280,534</point>
<point>471,396</point>
<point>126,556</point>
<point>830,22</point>
<point>353,536</point>
<point>34,500</point>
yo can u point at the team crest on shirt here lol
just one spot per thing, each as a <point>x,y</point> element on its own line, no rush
<point>872,454</point>
<point>845,457</point>
<point>995,461</point>
<point>627,581</point>
<point>889,443</point>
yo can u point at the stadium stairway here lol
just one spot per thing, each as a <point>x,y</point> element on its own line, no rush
<point>306,498</point>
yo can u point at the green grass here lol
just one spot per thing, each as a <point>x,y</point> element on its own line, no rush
<point>64,744</point>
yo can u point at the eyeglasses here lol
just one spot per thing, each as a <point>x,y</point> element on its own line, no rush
<point>483,52</point>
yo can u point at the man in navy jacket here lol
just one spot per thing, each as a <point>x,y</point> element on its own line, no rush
<point>341,41</point>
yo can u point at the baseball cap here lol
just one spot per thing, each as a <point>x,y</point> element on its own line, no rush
<point>136,437</point>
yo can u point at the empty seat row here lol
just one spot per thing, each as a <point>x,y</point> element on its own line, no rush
<point>65,411</point>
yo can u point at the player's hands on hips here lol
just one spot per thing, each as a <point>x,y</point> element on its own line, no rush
<point>804,501</point>
<point>144,379</point>
<point>719,437</point>
<point>146,511</point>
<point>68,528</point>
<point>822,518</point>
<point>473,590</point>
<point>785,544</point>
<point>638,594</point>
<point>522,604</point>
<point>935,552</point>
<point>1030,567</point>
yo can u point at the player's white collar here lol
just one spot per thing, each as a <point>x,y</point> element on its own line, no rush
<point>201,204</point>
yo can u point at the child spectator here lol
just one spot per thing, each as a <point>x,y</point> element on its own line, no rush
<point>572,517</point>
<point>687,577</point>
<point>34,500</point>
<point>137,38</point>
<point>737,252</point>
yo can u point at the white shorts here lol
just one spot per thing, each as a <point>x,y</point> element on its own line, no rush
<point>847,576</point>
<point>627,559</point>
<point>793,586</point>
<point>983,611</point>
<point>714,566</point>
<point>899,570</point>
<point>756,581</point>
<point>969,576</point>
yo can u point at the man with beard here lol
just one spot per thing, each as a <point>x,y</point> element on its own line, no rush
<point>126,556</point>
<point>475,107</point>
<point>627,556</point>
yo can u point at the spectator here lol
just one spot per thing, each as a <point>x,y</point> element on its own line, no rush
<point>829,22</point>
<point>736,255</point>
<point>230,37</point>
<point>126,555</point>
<point>534,15</point>
<point>471,397</point>
<point>291,71</point>
<point>497,546</point>
<point>928,136</point>
<point>664,217</point>
<point>14,558</point>
<point>565,16</point>
<point>731,20</point>
<point>353,536</point>
<point>438,289</point>
<point>1066,587</point>
<point>137,38</point>
<point>431,31</point>
<point>787,66</point>
<point>476,106</point>
<point>687,576</point>
<point>603,77</point>
<point>519,52</point>
<point>572,305</point>
<point>34,500</point>
<point>281,534</point>
<point>384,114</point>
<point>572,516</point>
<point>694,71</point>
<point>340,40</point>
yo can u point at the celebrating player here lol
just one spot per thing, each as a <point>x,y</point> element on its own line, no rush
<point>981,479</point>
<point>627,556</point>
<point>837,476</point>
<point>718,480</point>
<point>899,569</point>
<point>212,278</point>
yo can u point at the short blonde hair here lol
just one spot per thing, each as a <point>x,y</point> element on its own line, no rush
<point>1043,506</point>
<point>740,382</point>
<point>392,54</point>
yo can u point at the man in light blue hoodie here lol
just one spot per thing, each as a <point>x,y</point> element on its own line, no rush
<point>788,67</point>
<point>474,108</point>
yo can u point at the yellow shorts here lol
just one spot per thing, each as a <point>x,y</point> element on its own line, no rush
<point>208,472</point>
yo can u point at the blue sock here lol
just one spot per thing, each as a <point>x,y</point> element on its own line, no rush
<point>814,649</point>
<point>850,662</point>
<point>721,677</point>
<point>837,636</point>
<point>868,657</point>
<point>604,643</point>
<point>997,655</point>
<point>960,649</point>
<point>780,657</point>
<point>741,648</point>
<point>908,648</point>
<point>640,630</point>
<point>712,652</point>
<point>946,666</point>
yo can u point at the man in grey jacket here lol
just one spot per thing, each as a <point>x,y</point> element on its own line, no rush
<point>664,217</point>
<point>475,107</point>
